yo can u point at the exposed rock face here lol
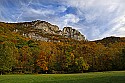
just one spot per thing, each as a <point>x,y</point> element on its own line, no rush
<point>43,26</point>
<point>47,28</point>
<point>68,32</point>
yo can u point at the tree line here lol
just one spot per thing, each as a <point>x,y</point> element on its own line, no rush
<point>19,54</point>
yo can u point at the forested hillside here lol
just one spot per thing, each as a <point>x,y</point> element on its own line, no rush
<point>21,53</point>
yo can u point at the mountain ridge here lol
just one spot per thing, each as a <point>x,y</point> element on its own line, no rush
<point>38,29</point>
<point>45,31</point>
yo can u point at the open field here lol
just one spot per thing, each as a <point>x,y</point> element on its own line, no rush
<point>97,77</point>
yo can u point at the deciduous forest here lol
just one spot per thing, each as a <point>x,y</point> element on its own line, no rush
<point>19,54</point>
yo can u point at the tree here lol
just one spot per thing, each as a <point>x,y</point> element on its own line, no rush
<point>42,61</point>
<point>25,60</point>
<point>8,53</point>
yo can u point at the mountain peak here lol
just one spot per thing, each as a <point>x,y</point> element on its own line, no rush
<point>42,30</point>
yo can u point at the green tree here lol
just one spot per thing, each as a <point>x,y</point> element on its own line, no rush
<point>8,53</point>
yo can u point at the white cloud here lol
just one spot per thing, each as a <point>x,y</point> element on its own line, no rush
<point>61,9</point>
<point>66,20</point>
<point>43,12</point>
<point>70,18</point>
<point>119,28</point>
<point>116,27</point>
<point>95,18</point>
<point>103,17</point>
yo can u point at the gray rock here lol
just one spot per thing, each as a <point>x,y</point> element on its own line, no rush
<point>47,28</point>
<point>68,32</point>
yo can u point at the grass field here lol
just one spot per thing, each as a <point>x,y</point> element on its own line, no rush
<point>97,77</point>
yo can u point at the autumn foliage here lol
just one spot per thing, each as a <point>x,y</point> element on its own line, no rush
<point>19,54</point>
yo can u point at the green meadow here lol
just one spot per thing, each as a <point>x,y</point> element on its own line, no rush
<point>92,77</point>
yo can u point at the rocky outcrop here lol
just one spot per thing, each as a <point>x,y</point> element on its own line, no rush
<point>68,32</point>
<point>43,26</point>
<point>47,28</point>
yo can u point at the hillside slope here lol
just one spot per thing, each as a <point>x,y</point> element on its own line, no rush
<point>44,31</point>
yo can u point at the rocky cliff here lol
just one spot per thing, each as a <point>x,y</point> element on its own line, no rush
<point>68,32</point>
<point>44,31</point>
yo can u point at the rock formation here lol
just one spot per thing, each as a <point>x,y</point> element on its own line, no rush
<point>68,32</point>
<point>39,28</point>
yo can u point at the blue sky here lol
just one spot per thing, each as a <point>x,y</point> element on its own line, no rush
<point>95,19</point>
